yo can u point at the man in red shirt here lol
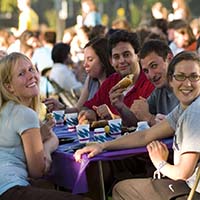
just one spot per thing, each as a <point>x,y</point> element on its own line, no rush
<point>123,50</point>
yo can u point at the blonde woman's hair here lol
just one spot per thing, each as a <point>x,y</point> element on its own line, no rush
<point>7,64</point>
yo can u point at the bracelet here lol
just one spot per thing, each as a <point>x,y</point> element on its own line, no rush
<point>160,166</point>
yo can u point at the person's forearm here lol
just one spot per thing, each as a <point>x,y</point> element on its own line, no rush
<point>128,117</point>
<point>125,142</point>
<point>51,144</point>
<point>174,172</point>
<point>71,110</point>
<point>45,133</point>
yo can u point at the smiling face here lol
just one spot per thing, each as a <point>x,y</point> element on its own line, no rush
<point>186,91</point>
<point>25,81</point>
<point>92,63</point>
<point>155,69</point>
<point>125,60</point>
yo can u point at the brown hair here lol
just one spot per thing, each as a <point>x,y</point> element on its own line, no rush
<point>184,55</point>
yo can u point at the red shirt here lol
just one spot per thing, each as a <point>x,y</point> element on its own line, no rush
<point>143,87</point>
<point>192,47</point>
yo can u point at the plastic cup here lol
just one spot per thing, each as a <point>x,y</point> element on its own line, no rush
<point>71,121</point>
<point>115,127</point>
<point>142,125</point>
<point>83,133</point>
<point>99,135</point>
<point>59,117</point>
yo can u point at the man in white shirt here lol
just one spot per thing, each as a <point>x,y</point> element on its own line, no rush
<point>60,72</point>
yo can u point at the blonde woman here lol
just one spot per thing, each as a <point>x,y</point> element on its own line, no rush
<point>24,149</point>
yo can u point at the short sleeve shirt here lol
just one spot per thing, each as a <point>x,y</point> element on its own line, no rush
<point>162,100</point>
<point>186,124</point>
<point>15,119</point>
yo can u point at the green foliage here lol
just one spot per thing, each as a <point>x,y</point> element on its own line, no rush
<point>101,1</point>
<point>139,9</point>
<point>8,6</point>
<point>50,16</point>
<point>135,15</point>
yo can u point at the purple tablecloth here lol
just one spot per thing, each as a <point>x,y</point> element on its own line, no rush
<point>68,173</point>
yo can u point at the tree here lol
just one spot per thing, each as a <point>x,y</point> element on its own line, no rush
<point>8,6</point>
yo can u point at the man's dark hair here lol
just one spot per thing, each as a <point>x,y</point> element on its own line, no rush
<point>160,47</point>
<point>162,24</point>
<point>176,24</point>
<point>60,52</point>
<point>123,36</point>
<point>50,37</point>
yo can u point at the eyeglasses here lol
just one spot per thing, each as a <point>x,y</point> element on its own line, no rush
<point>183,77</point>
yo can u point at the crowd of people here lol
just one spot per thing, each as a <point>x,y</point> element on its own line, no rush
<point>162,56</point>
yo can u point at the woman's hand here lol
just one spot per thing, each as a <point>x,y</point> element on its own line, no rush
<point>92,150</point>
<point>158,151</point>
<point>46,127</point>
<point>53,104</point>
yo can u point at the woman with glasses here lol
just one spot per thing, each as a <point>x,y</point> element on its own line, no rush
<point>183,123</point>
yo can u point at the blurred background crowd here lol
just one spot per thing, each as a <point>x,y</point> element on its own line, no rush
<point>34,27</point>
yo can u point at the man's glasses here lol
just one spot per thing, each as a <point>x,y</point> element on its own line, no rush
<point>183,77</point>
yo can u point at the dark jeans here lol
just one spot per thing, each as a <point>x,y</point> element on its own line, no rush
<point>34,193</point>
